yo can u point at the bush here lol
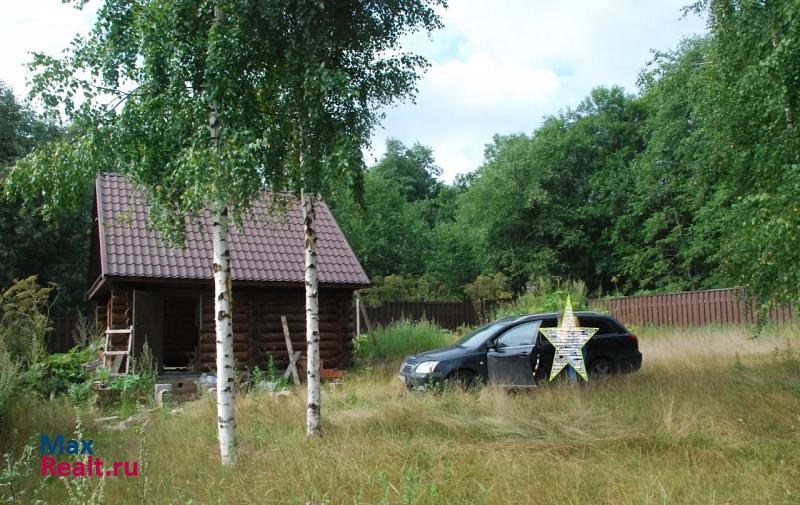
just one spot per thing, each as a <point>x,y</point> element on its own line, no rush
<point>401,339</point>
<point>137,386</point>
<point>67,369</point>
<point>546,296</point>
<point>23,325</point>
<point>488,288</point>
<point>394,288</point>
<point>25,310</point>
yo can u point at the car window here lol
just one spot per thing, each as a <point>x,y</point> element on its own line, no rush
<point>604,326</point>
<point>524,334</point>
<point>479,336</point>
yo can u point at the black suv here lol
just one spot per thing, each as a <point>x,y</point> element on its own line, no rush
<point>512,352</point>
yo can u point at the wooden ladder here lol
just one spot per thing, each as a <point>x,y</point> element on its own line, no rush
<point>118,348</point>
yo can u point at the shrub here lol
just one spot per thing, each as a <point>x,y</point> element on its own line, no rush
<point>489,288</point>
<point>544,295</point>
<point>138,385</point>
<point>406,289</point>
<point>67,369</point>
<point>25,310</point>
<point>401,339</point>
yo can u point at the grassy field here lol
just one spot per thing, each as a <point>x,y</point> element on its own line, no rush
<point>712,418</point>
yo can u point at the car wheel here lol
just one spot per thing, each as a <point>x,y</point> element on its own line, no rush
<point>463,379</point>
<point>601,368</point>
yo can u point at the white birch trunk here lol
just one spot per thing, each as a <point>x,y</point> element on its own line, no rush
<point>224,333</point>
<point>313,417</point>
<point>223,300</point>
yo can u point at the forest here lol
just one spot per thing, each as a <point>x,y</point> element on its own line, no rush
<point>690,182</point>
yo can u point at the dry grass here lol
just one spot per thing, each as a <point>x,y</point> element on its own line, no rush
<point>712,418</point>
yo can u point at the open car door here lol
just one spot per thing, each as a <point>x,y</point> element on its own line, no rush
<point>510,360</point>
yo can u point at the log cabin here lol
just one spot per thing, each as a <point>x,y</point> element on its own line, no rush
<point>147,291</point>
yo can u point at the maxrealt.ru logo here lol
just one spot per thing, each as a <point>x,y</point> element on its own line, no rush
<point>91,466</point>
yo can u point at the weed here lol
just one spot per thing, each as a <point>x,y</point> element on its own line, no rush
<point>401,339</point>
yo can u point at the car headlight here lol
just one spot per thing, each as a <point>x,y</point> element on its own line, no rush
<point>426,367</point>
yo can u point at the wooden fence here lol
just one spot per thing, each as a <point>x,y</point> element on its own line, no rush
<point>448,315</point>
<point>689,308</point>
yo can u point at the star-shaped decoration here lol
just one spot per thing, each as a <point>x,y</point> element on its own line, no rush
<point>568,341</point>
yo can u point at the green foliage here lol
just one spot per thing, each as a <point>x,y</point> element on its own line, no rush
<point>211,103</point>
<point>20,128</point>
<point>747,121</point>
<point>138,385</point>
<point>25,367</point>
<point>55,252</point>
<point>690,184</point>
<point>23,323</point>
<point>399,288</point>
<point>413,169</point>
<point>488,288</point>
<point>543,205</point>
<point>401,339</point>
<point>66,371</point>
<point>545,296</point>
<point>405,226</point>
<point>388,233</point>
<point>24,311</point>
<point>278,381</point>
<point>13,474</point>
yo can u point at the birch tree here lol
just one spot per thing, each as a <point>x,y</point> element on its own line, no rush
<point>203,105</point>
<point>343,64</point>
<point>176,95</point>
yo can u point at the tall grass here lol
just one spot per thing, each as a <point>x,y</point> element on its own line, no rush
<point>712,418</point>
<point>401,339</point>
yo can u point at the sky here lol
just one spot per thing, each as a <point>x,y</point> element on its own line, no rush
<point>497,66</point>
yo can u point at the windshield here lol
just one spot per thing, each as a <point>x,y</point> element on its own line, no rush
<point>479,336</point>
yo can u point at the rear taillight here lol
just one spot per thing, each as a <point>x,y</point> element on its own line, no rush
<point>635,340</point>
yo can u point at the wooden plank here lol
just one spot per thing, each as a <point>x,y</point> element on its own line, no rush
<point>294,356</point>
<point>366,318</point>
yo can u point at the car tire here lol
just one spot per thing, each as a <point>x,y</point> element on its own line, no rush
<point>601,368</point>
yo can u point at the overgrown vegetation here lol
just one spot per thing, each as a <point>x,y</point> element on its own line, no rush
<point>56,251</point>
<point>545,295</point>
<point>28,371</point>
<point>399,340</point>
<point>710,406</point>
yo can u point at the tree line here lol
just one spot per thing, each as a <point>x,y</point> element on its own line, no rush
<point>691,183</point>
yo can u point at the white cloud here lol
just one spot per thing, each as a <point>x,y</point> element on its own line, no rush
<point>32,26</point>
<point>485,82</point>
<point>501,66</point>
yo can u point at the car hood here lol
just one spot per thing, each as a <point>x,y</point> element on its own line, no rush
<point>442,354</point>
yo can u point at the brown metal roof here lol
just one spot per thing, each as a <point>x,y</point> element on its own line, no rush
<point>266,249</point>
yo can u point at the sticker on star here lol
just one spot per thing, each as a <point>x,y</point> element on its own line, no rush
<point>568,341</point>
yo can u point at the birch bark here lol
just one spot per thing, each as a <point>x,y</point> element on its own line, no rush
<point>226,422</point>
<point>223,299</point>
<point>313,417</point>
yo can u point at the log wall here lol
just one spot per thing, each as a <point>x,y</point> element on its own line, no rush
<point>257,329</point>
<point>258,332</point>
<point>119,309</point>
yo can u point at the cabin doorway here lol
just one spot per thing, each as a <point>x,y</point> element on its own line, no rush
<point>181,332</point>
